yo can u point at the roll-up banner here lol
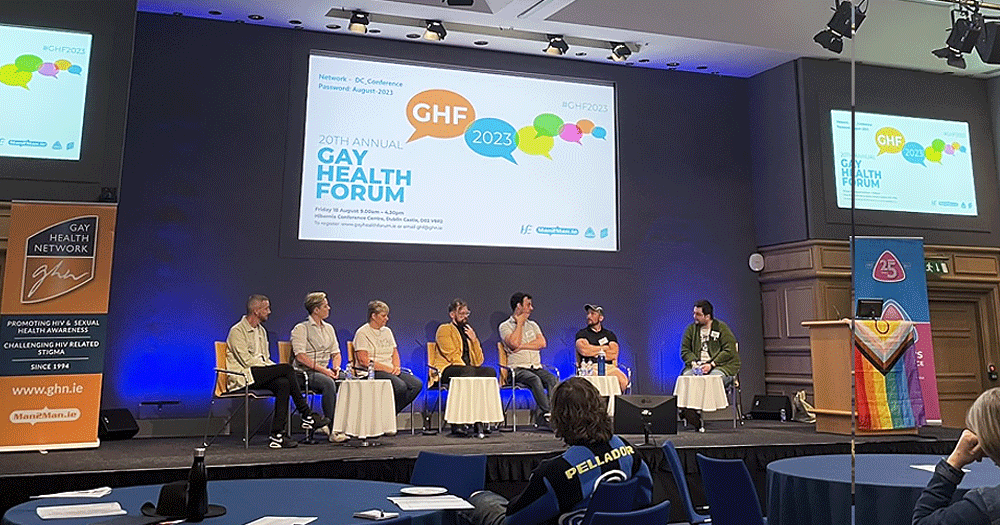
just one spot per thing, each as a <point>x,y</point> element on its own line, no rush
<point>53,317</point>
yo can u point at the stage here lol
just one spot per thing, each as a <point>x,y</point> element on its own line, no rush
<point>511,457</point>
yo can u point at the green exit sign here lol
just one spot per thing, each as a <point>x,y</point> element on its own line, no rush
<point>936,266</point>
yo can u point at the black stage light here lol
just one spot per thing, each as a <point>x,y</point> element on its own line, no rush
<point>988,44</point>
<point>964,35</point>
<point>839,26</point>
<point>359,22</point>
<point>435,30</point>
<point>620,52</point>
<point>557,45</point>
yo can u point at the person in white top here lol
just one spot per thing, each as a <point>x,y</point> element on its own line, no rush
<point>317,356</point>
<point>374,340</point>
<point>522,340</point>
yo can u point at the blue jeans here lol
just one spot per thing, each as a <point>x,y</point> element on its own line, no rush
<point>405,387</point>
<point>539,381</point>
<point>323,384</point>
<point>490,509</point>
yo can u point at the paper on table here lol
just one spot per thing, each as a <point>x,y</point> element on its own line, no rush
<point>445,502</point>
<point>281,520</point>
<point>85,510</point>
<point>92,493</point>
<point>930,468</point>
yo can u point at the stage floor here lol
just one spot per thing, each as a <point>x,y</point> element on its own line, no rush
<point>512,456</point>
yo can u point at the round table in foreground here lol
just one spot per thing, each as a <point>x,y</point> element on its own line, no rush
<point>330,500</point>
<point>816,490</point>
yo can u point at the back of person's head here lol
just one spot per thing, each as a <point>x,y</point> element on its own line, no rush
<point>517,299</point>
<point>254,301</point>
<point>579,415</point>
<point>706,307</point>
<point>983,420</point>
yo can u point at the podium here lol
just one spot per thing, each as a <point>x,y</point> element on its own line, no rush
<point>831,346</point>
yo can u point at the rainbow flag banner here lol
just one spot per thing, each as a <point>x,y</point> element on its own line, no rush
<point>896,386</point>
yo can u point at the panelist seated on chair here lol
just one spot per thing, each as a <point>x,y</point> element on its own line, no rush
<point>460,353</point>
<point>560,488</point>
<point>317,356</point>
<point>522,340</point>
<point>248,353</point>
<point>708,348</point>
<point>592,341</point>
<point>374,340</point>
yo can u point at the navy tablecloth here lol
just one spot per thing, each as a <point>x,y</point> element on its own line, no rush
<point>333,501</point>
<point>816,490</point>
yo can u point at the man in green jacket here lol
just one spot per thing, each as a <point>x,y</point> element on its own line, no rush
<point>708,348</point>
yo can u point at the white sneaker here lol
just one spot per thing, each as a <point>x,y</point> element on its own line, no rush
<point>338,437</point>
<point>324,430</point>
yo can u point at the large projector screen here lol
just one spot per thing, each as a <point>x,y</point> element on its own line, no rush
<point>43,88</point>
<point>402,153</point>
<point>904,164</point>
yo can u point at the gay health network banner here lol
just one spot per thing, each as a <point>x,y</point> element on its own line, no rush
<point>896,386</point>
<point>53,324</point>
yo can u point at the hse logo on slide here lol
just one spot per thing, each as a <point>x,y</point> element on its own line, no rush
<point>445,114</point>
<point>890,140</point>
<point>25,66</point>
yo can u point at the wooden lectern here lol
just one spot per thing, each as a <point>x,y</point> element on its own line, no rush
<point>832,348</point>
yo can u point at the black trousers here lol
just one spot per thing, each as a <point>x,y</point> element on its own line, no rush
<point>466,371</point>
<point>280,380</point>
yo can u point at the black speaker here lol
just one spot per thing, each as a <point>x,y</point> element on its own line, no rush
<point>770,407</point>
<point>117,423</point>
<point>988,44</point>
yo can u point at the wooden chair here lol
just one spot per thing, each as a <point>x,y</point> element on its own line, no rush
<point>358,372</point>
<point>245,394</point>
<point>434,376</point>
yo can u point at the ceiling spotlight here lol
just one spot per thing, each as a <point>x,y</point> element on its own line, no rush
<point>435,30</point>
<point>557,46</point>
<point>359,22</point>
<point>965,29</point>
<point>463,3</point>
<point>620,52</point>
<point>839,26</point>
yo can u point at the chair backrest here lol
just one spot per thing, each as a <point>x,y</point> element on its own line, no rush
<point>461,475</point>
<point>221,348</point>
<point>351,357</point>
<point>658,514</point>
<point>680,479</point>
<point>502,361</point>
<point>612,496</point>
<point>432,375</point>
<point>732,497</point>
<point>285,352</point>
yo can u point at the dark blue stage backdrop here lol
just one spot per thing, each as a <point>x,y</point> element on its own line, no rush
<point>210,156</point>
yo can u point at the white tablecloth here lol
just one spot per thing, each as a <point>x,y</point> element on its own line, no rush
<point>701,392</point>
<point>473,400</point>
<point>607,386</point>
<point>365,408</point>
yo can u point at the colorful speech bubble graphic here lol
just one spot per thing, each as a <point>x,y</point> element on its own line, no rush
<point>585,126</point>
<point>932,154</point>
<point>13,77</point>
<point>76,70</point>
<point>48,69</point>
<point>492,137</point>
<point>600,133</point>
<point>938,145</point>
<point>530,142</point>
<point>949,149</point>
<point>914,153</point>
<point>548,125</point>
<point>439,113</point>
<point>956,145</point>
<point>28,63</point>
<point>571,133</point>
<point>62,65</point>
<point>889,140</point>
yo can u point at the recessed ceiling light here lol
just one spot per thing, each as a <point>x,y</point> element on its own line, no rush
<point>178,13</point>
<point>412,35</point>
<point>297,27</point>
<point>255,17</point>
<point>481,43</point>
<point>702,67</point>
<point>238,21</point>
<point>716,73</point>
<point>643,60</point>
<point>333,27</point>
<point>581,53</point>
<point>295,22</point>
<point>673,64</point>
<point>374,31</point>
<point>215,13</point>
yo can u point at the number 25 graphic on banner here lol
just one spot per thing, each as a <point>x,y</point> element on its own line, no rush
<point>887,269</point>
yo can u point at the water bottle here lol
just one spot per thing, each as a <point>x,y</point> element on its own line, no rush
<point>783,416</point>
<point>601,361</point>
<point>371,367</point>
<point>197,489</point>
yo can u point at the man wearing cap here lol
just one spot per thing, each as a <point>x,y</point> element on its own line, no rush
<point>522,340</point>
<point>708,348</point>
<point>593,340</point>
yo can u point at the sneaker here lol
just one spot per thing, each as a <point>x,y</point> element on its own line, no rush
<point>338,437</point>
<point>280,440</point>
<point>314,421</point>
<point>325,430</point>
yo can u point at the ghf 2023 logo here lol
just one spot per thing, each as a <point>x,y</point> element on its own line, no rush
<point>59,259</point>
